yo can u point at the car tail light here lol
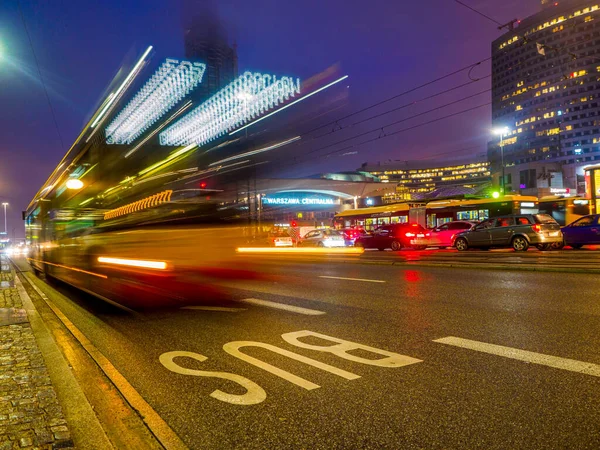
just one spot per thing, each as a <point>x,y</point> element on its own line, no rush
<point>410,235</point>
<point>537,228</point>
<point>427,234</point>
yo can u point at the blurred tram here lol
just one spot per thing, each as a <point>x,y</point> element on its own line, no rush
<point>373,217</point>
<point>565,210</point>
<point>140,220</point>
<point>442,211</point>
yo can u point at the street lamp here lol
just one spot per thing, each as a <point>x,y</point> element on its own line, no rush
<point>501,132</point>
<point>5,227</point>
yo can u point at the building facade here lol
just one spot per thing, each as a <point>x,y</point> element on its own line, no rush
<point>417,179</point>
<point>545,89</point>
<point>205,40</point>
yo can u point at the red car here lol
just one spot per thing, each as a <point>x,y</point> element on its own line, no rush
<point>395,236</point>
<point>352,234</point>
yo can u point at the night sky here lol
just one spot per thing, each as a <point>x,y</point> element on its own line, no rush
<point>385,46</point>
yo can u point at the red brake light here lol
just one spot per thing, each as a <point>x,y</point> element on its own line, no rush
<point>428,234</point>
<point>537,228</point>
<point>202,185</point>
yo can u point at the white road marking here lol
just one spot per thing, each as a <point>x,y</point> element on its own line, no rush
<point>233,348</point>
<point>214,308</point>
<point>296,309</point>
<point>353,279</point>
<point>254,393</point>
<point>571,365</point>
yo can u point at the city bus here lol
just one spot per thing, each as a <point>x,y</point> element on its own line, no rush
<point>439,212</point>
<point>373,217</point>
<point>565,210</point>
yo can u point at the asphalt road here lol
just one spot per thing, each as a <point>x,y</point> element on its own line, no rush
<point>404,390</point>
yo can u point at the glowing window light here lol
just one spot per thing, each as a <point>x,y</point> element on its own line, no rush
<point>160,265</point>
<point>74,183</point>
<point>148,202</point>
<point>247,97</point>
<point>172,81</point>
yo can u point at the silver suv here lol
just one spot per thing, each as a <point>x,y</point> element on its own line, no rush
<point>518,231</point>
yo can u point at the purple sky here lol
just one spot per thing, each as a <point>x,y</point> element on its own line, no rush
<point>385,46</point>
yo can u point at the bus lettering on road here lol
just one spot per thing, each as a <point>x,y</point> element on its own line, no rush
<point>233,348</point>
<point>342,348</point>
<point>256,394</point>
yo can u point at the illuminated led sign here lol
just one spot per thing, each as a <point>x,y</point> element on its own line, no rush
<point>243,100</point>
<point>300,201</point>
<point>560,191</point>
<point>170,83</point>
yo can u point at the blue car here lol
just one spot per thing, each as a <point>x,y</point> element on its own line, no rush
<point>584,231</point>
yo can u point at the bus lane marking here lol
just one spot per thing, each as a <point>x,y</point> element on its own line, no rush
<point>285,307</point>
<point>233,348</point>
<point>256,394</point>
<point>572,365</point>
<point>352,279</point>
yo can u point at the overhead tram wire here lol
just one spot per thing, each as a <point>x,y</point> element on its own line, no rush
<point>386,135</point>
<point>401,94</point>
<point>389,111</point>
<point>37,64</point>
<point>393,133</point>
<point>437,108</point>
<point>479,12</point>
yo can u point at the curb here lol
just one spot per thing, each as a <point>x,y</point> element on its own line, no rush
<point>85,428</point>
<point>162,434</point>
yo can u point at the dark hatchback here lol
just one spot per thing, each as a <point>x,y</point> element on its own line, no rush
<point>395,236</point>
<point>584,231</point>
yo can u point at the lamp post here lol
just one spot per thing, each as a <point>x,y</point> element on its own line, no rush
<point>5,222</point>
<point>501,132</point>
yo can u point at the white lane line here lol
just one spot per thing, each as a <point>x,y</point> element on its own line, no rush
<point>352,279</point>
<point>214,308</point>
<point>296,309</point>
<point>571,365</point>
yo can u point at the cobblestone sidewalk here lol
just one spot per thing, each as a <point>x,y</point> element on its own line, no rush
<point>30,415</point>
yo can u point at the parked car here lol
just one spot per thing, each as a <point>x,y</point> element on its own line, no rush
<point>583,231</point>
<point>352,234</point>
<point>280,238</point>
<point>323,238</point>
<point>518,231</point>
<point>443,235</point>
<point>393,236</point>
